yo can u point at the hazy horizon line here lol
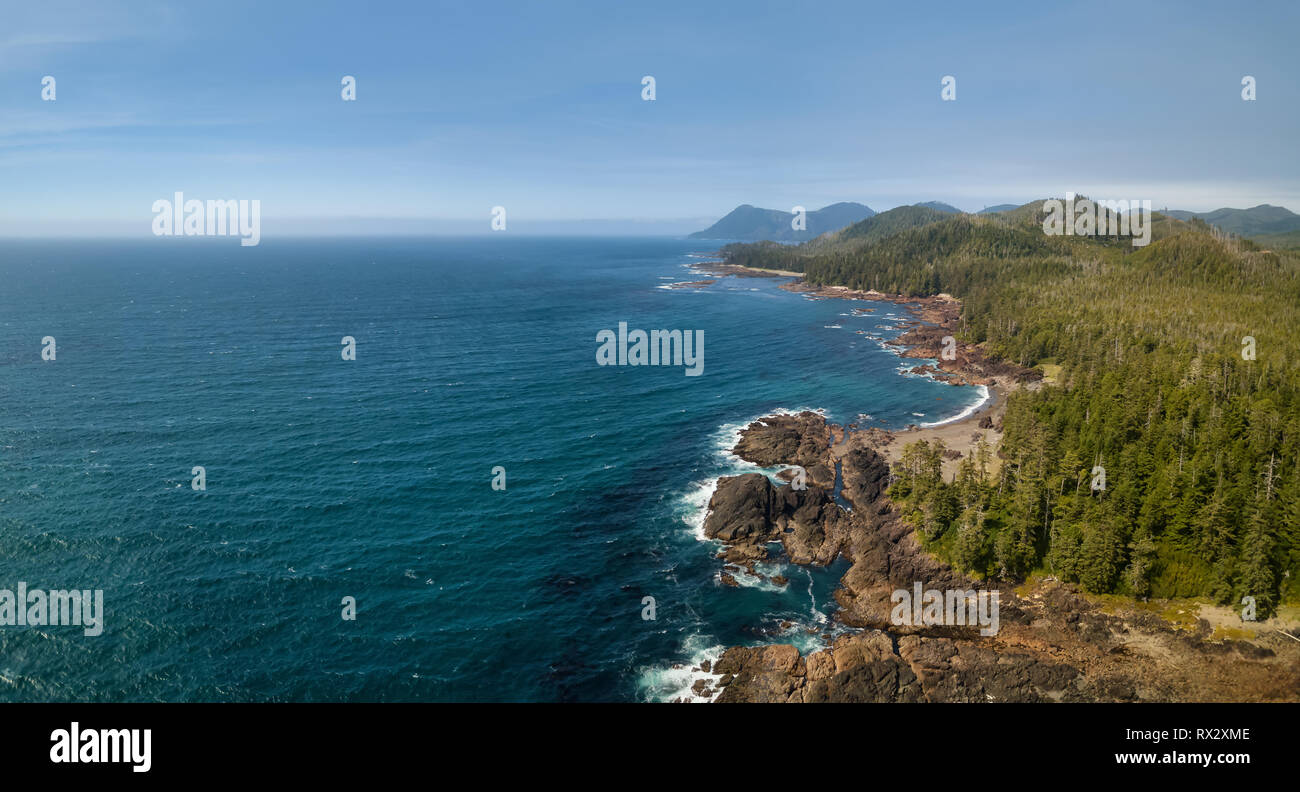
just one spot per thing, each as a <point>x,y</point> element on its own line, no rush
<point>326,226</point>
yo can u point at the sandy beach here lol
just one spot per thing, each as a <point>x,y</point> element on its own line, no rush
<point>962,435</point>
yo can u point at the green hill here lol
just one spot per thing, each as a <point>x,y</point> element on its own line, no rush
<point>1200,446</point>
<point>1262,219</point>
<point>940,206</point>
<point>1288,241</point>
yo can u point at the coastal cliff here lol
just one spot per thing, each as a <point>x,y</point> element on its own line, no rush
<point>1055,643</point>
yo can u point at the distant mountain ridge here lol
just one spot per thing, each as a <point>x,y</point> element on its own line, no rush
<point>751,223</point>
<point>1257,220</point>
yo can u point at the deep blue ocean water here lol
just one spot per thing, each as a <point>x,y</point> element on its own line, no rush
<point>372,478</point>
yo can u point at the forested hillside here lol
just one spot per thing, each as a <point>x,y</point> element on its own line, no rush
<point>1253,222</point>
<point>1200,446</point>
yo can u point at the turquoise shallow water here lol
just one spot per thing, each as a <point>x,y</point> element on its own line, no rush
<point>371,478</point>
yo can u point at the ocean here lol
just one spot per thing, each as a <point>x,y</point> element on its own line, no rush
<point>372,478</point>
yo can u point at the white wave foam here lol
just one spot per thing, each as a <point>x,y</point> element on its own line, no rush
<point>693,505</point>
<point>670,683</point>
<point>967,411</point>
<point>746,580</point>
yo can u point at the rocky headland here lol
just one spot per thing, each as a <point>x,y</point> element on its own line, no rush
<point>1054,643</point>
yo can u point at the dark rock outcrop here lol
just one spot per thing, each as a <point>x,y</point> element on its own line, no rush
<point>741,509</point>
<point>866,475</point>
<point>802,439</point>
<point>748,511</point>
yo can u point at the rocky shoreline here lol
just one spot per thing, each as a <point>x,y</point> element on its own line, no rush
<point>936,318</point>
<point>1054,643</point>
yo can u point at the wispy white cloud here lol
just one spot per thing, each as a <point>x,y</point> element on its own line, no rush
<point>28,127</point>
<point>34,31</point>
<point>29,40</point>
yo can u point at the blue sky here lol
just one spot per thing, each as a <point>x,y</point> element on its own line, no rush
<point>537,107</point>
